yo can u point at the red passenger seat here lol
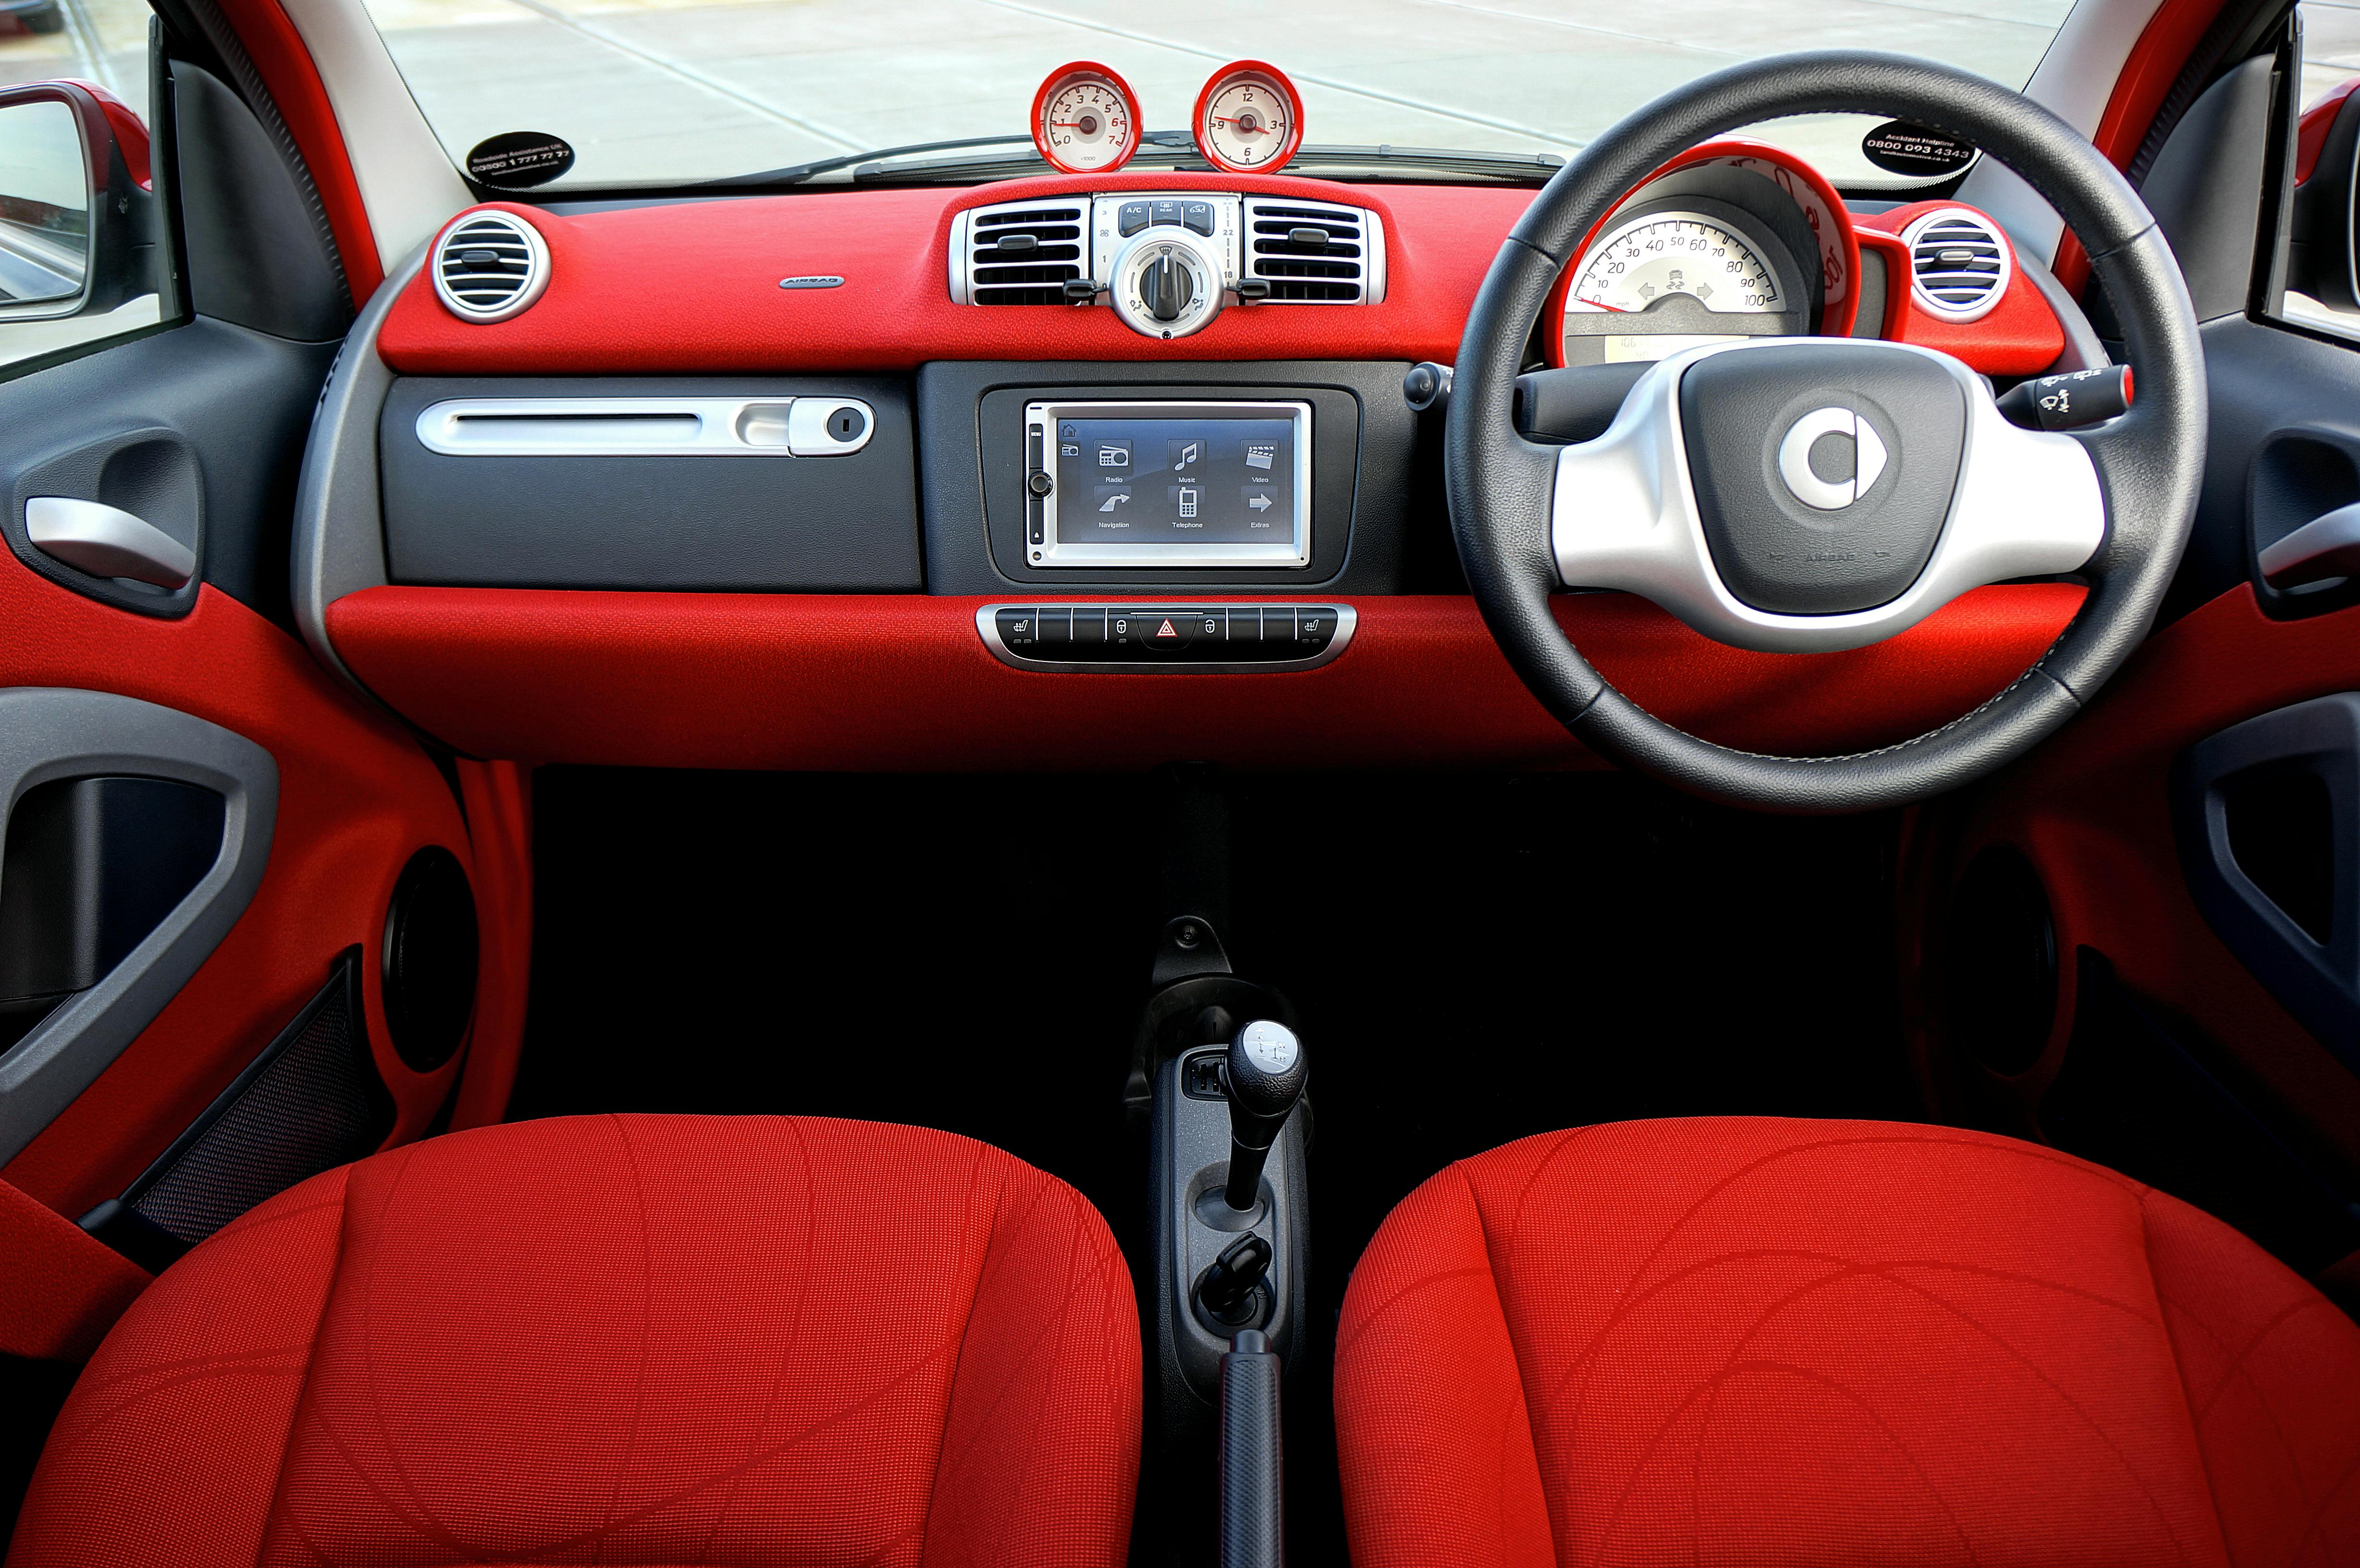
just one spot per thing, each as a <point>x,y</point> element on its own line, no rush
<point>622,1340</point>
<point>1753,1342</point>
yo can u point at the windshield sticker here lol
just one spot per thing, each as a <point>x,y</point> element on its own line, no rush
<point>1899,147</point>
<point>517,159</point>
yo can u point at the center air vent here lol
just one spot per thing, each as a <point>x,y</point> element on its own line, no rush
<point>490,267</point>
<point>1022,253</point>
<point>1316,254</point>
<point>1959,264</point>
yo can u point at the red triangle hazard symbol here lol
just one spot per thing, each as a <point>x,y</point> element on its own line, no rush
<point>1166,629</point>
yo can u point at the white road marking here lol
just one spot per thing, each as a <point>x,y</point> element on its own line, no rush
<point>692,75</point>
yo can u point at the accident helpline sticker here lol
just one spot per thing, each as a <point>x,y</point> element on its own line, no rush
<point>517,159</point>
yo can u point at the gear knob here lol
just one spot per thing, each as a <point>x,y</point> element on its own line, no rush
<point>1267,1068</point>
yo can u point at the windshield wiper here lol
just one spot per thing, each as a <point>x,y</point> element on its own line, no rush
<point>1172,149</point>
<point>1437,160</point>
<point>796,173</point>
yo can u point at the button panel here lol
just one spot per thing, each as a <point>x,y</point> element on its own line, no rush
<point>1221,637</point>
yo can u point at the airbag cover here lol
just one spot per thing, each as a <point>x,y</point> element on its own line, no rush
<point>1802,538</point>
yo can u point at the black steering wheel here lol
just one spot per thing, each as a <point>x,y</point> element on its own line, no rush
<point>1717,493</point>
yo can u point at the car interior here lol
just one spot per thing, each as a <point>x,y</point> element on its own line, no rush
<point>1489,783</point>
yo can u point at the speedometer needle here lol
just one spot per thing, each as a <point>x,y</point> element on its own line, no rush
<point>1602,305</point>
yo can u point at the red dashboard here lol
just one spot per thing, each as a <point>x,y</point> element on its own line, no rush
<point>899,679</point>
<point>616,301</point>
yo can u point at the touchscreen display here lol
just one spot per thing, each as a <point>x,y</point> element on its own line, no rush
<point>1175,481</point>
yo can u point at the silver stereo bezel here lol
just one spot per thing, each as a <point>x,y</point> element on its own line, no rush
<point>1041,421</point>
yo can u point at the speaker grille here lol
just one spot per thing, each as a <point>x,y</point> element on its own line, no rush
<point>313,1101</point>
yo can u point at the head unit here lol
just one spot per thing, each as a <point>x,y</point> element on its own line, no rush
<point>1183,483</point>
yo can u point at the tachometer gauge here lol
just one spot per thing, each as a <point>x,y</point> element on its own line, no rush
<point>1249,118</point>
<point>1086,119</point>
<point>1651,259</point>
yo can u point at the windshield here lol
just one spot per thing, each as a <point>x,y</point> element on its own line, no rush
<point>671,92</point>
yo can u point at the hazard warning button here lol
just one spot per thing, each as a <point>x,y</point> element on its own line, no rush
<point>1166,631</point>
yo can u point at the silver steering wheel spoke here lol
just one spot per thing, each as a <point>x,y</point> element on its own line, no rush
<point>1843,514</point>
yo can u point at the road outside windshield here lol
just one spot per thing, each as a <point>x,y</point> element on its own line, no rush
<point>671,91</point>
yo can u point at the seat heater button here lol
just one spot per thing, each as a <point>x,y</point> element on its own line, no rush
<point>1130,218</point>
<point>1197,216</point>
<point>1314,628</point>
<point>1019,628</point>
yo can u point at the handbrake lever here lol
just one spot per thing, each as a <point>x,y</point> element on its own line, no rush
<point>1253,1512</point>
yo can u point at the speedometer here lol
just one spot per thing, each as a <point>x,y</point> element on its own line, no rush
<point>1653,260</point>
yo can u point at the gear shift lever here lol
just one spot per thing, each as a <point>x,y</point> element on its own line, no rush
<point>1267,1069</point>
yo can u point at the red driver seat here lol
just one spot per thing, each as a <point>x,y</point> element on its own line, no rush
<point>1753,1342</point>
<point>620,1340</point>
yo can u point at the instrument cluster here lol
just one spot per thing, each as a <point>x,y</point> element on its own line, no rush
<point>1732,239</point>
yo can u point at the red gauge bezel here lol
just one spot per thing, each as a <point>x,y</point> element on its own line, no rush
<point>1836,317</point>
<point>1061,77</point>
<point>1220,79</point>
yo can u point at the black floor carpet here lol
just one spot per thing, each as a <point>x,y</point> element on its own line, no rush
<point>1567,949</point>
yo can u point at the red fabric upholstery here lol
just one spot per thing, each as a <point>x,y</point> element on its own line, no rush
<point>620,1340</point>
<point>1756,1342</point>
<point>60,1289</point>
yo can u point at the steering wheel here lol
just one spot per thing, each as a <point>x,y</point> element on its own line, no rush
<point>1718,494</point>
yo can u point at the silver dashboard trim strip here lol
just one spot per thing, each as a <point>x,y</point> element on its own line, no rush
<point>987,624</point>
<point>339,531</point>
<point>636,426</point>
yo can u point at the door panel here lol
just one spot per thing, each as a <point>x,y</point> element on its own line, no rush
<point>197,432</point>
<point>357,797</point>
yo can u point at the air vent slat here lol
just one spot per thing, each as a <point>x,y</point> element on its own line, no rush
<point>1306,254</point>
<point>1316,255</point>
<point>490,266</point>
<point>1960,266</point>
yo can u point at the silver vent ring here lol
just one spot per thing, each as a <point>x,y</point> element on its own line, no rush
<point>1960,263</point>
<point>490,265</point>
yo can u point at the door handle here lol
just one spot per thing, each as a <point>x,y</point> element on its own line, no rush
<point>2322,548</point>
<point>106,541</point>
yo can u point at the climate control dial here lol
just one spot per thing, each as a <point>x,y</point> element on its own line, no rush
<point>1167,282</point>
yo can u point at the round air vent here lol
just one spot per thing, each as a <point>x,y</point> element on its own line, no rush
<point>490,267</point>
<point>1959,264</point>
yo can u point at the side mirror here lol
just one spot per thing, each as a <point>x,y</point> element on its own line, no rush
<point>77,202</point>
<point>2323,249</point>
